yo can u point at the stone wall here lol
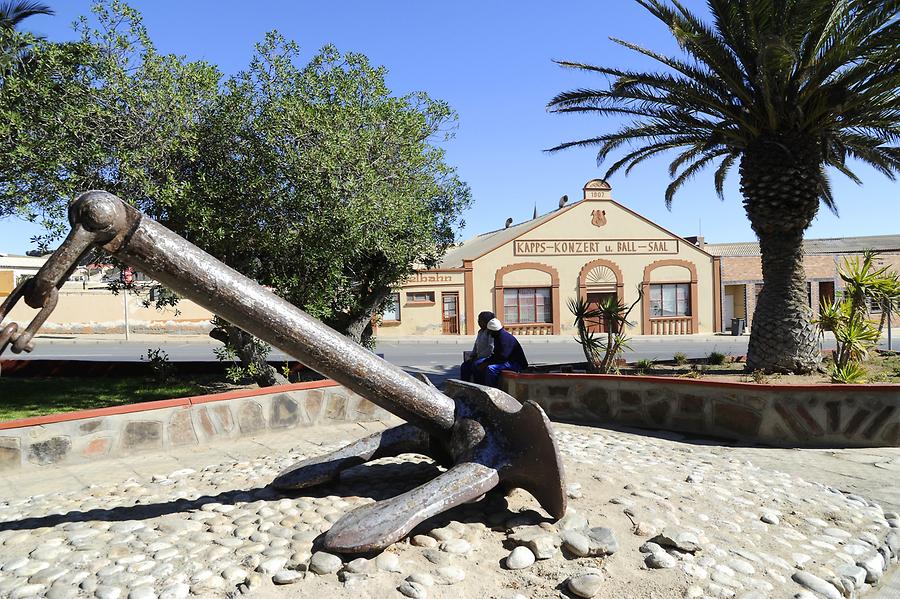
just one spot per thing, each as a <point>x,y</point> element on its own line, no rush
<point>161,425</point>
<point>780,415</point>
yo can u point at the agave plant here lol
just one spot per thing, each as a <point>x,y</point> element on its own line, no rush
<point>783,89</point>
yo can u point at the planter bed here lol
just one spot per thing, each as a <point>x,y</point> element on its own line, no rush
<point>786,415</point>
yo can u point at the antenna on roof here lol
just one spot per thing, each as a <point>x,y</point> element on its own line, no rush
<point>534,216</point>
<point>563,200</point>
<point>508,223</point>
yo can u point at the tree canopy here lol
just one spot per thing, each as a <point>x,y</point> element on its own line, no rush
<point>312,178</point>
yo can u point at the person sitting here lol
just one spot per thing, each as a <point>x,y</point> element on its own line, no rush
<point>483,348</point>
<point>508,355</point>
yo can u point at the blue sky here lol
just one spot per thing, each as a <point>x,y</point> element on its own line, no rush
<point>492,61</point>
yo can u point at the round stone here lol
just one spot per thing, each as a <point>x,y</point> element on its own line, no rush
<point>769,518</point>
<point>323,563</point>
<point>585,585</point>
<point>449,575</point>
<point>358,565</point>
<point>389,562</point>
<point>456,546</point>
<point>423,541</point>
<point>274,564</point>
<point>426,580</point>
<point>145,592</point>
<point>287,577</point>
<point>179,590</point>
<point>108,592</point>
<point>413,590</point>
<point>660,559</point>
<point>576,543</point>
<point>520,557</point>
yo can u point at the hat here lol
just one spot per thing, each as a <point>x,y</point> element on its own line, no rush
<point>494,325</point>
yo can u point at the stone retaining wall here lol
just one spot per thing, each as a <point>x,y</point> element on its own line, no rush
<point>781,415</point>
<point>160,425</point>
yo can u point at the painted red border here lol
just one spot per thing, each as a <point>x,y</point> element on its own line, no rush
<point>835,388</point>
<point>162,404</point>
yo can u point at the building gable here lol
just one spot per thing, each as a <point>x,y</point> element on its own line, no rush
<point>598,226</point>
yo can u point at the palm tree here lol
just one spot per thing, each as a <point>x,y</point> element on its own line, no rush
<point>784,89</point>
<point>12,44</point>
<point>13,12</point>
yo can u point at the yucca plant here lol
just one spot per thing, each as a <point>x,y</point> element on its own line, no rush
<point>643,366</point>
<point>866,284</point>
<point>848,374</point>
<point>602,351</point>
<point>848,317</point>
<point>781,88</point>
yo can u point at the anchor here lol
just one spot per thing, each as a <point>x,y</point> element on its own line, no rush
<point>483,437</point>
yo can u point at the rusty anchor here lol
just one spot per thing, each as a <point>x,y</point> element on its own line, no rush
<point>483,437</point>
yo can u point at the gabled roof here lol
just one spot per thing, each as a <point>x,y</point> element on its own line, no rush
<point>828,245</point>
<point>481,244</point>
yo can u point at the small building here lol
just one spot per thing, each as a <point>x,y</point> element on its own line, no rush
<point>742,279</point>
<point>13,268</point>
<point>526,274</point>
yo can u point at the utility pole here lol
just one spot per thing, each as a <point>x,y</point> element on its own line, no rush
<point>125,306</point>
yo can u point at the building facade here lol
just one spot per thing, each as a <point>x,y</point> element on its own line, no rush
<point>527,273</point>
<point>741,271</point>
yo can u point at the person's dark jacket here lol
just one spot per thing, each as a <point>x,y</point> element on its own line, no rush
<point>507,349</point>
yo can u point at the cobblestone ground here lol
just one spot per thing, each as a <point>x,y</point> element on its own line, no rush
<point>649,517</point>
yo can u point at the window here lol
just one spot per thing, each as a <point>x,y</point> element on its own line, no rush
<point>527,306</point>
<point>392,312</point>
<point>670,299</point>
<point>420,297</point>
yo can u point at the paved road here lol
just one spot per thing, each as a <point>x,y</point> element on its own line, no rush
<point>438,358</point>
<point>409,354</point>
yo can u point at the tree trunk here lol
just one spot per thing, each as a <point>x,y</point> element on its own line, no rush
<point>781,182</point>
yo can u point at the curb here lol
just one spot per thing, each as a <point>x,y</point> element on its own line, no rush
<point>161,404</point>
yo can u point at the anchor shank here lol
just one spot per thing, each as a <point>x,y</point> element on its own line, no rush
<point>194,274</point>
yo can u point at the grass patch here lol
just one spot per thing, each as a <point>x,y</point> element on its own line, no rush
<point>27,397</point>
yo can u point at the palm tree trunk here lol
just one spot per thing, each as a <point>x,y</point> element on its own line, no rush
<point>780,181</point>
<point>782,338</point>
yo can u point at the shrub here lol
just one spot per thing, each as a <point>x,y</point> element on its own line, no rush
<point>643,365</point>
<point>716,358</point>
<point>848,374</point>
<point>759,377</point>
<point>160,365</point>
<point>680,358</point>
<point>695,372</point>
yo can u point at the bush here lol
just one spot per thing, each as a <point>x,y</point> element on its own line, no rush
<point>716,358</point>
<point>759,377</point>
<point>680,358</point>
<point>848,374</point>
<point>643,365</point>
<point>160,365</point>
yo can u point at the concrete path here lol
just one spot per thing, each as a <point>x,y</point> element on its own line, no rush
<point>632,483</point>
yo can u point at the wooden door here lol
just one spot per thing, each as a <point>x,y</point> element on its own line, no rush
<point>450,313</point>
<point>599,325</point>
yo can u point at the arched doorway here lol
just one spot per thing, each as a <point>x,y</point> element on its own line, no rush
<point>600,280</point>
